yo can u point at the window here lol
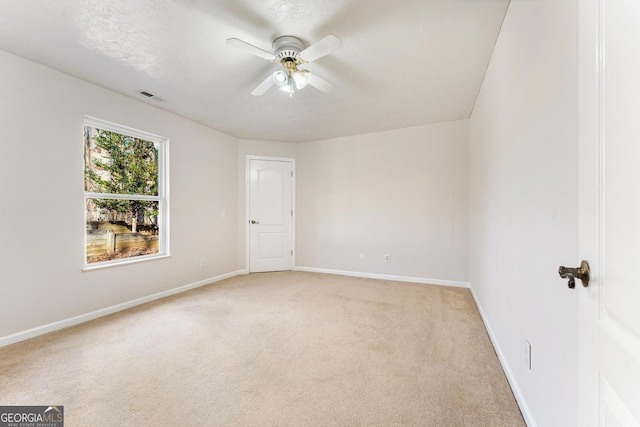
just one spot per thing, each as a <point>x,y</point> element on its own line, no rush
<point>126,205</point>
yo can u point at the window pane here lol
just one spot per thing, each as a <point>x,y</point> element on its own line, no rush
<point>118,229</point>
<point>119,164</point>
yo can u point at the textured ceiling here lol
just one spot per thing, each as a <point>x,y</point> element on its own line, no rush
<point>404,62</point>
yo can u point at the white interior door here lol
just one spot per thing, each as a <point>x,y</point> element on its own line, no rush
<point>270,215</point>
<point>610,212</point>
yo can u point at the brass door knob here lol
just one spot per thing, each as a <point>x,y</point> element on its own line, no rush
<point>583,273</point>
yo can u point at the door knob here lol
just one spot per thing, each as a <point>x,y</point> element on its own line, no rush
<point>583,273</point>
<point>253,221</point>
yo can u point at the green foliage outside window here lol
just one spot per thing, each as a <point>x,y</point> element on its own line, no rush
<point>126,165</point>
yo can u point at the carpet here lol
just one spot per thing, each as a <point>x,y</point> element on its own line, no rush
<point>272,349</point>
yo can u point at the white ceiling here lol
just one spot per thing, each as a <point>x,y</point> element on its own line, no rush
<point>404,62</point>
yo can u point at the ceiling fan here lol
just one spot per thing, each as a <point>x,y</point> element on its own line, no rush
<point>290,53</point>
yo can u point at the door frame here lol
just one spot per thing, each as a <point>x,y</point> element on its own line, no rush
<point>247,231</point>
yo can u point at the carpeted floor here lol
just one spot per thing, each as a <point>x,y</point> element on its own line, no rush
<point>272,349</point>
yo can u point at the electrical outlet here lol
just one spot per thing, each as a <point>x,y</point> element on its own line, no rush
<point>527,354</point>
<point>202,262</point>
<point>223,213</point>
<point>361,255</point>
<point>387,258</point>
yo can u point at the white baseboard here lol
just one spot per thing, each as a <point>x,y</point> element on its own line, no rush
<point>385,277</point>
<point>40,330</point>
<point>522,403</point>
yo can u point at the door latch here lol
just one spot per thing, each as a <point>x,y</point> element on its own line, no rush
<point>583,273</point>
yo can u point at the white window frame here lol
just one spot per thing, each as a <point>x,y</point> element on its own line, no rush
<point>162,198</point>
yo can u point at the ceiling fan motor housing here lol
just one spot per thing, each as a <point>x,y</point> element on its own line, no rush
<point>287,48</point>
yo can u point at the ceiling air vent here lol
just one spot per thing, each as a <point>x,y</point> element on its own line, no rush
<point>150,95</point>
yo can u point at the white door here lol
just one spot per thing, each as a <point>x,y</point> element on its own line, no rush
<point>270,215</point>
<point>610,212</point>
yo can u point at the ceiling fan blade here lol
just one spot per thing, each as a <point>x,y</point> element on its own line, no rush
<point>263,87</point>
<point>318,82</point>
<point>321,48</point>
<point>249,48</point>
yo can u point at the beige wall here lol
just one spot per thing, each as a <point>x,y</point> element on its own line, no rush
<point>402,193</point>
<point>42,214</point>
<point>524,215</point>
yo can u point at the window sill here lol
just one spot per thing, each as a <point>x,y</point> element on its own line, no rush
<point>120,263</point>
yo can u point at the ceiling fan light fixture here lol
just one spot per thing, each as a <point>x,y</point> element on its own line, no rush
<point>281,78</point>
<point>287,88</point>
<point>301,79</point>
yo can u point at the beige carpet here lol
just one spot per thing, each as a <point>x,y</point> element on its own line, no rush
<point>272,349</point>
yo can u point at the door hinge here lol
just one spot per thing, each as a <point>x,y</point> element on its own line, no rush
<point>291,174</point>
<point>291,213</point>
<point>291,253</point>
